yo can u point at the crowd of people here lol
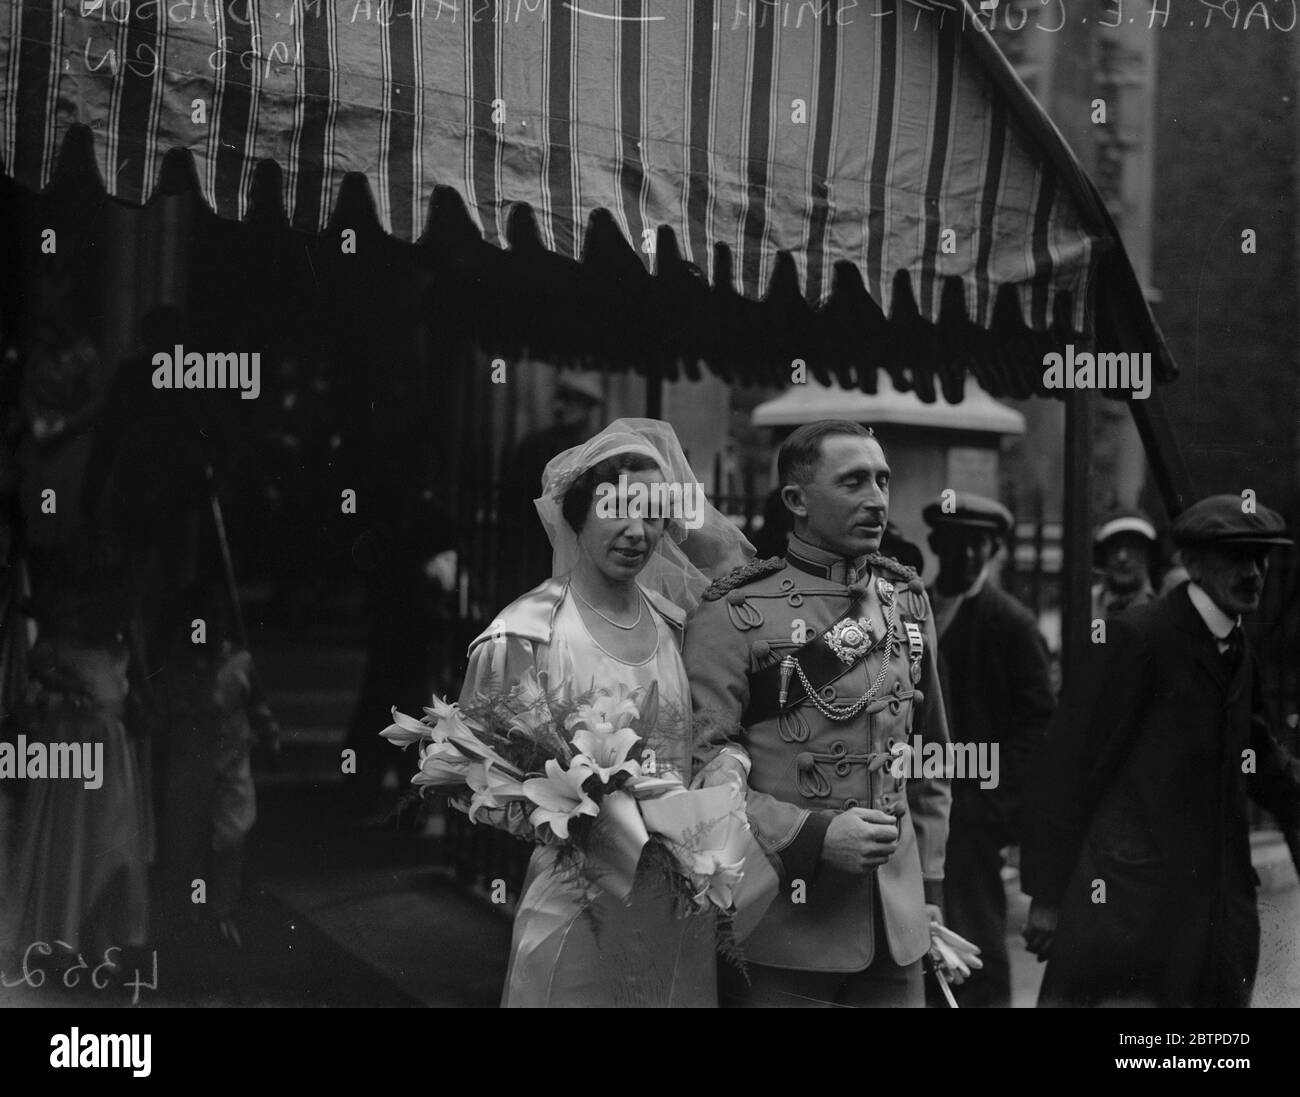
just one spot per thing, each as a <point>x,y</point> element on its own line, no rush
<point>805,669</point>
<point>811,672</point>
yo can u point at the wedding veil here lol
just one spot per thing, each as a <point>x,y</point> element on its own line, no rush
<point>686,560</point>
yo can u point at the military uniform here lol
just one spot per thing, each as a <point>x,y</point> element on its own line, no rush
<point>877,667</point>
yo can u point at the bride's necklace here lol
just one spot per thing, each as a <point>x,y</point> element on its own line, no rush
<point>625,628</point>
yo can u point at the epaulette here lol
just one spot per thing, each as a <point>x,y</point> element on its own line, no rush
<point>746,573</point>
<point>907,574</point>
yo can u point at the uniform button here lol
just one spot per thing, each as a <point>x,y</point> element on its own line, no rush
<point>850,803</point>
<point>828,693</point>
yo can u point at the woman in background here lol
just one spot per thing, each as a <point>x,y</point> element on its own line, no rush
<point>83,852</point>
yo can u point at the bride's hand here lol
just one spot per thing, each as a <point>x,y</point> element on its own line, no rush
<point>725,769</point>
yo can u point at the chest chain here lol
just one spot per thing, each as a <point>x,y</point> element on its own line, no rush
<point>840,713</point>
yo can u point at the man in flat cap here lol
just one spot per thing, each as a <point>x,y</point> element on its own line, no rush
<point>810,672</point>
<point>1122,549</point>
<point>998,690</point>
<point>1137,848</point>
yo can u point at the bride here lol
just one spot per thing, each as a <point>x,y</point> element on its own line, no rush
<point>611,616</point>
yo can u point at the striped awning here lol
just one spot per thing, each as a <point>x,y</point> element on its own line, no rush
<point>835,131</point>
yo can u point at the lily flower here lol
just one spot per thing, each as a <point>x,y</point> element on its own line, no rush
<point>526,721</point>
<point>559,796</point>
<point>718,880</point>
<point>440,710</point>
<point>475,750</point>
<point>531,699</point>
<point>442,765</point>
<point>449,722</point>
<point>405,730</point>
<point>531,688</point>
<point>492,788</point>
<point>606,712</point>
<point>607,750</point>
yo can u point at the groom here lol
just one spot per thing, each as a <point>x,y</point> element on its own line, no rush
<point>810,675</point>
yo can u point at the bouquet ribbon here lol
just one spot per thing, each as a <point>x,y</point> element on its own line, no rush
<point>706,830</point>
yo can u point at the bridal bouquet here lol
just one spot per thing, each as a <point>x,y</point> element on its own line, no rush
<point>579,770</point>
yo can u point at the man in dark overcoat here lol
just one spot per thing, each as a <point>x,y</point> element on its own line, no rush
<point>1137,845</point>
<point>998,691</point>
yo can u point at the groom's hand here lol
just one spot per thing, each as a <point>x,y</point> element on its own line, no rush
<point>859,840</point>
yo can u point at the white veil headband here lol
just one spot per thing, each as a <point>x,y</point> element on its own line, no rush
<point>686,559</point>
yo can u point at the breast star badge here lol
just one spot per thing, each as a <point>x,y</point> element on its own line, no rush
<point>850,639</point>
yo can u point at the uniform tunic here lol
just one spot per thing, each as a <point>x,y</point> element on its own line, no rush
<point>806,767</point>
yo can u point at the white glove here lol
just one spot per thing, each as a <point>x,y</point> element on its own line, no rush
<point>952,954</point>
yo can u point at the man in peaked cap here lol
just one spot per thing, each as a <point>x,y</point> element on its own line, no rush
<point>809,674</point>
<point>998,690</point>
<point>1137,850</point>
<point>1122,548</point>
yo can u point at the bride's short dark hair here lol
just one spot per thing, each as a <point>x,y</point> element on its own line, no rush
<point>577,500</point>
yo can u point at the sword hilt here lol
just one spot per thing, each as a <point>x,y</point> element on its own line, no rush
<point>787,672</point>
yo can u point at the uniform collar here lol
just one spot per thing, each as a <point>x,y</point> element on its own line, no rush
<point>1218,622</point>
<point>823,563</point>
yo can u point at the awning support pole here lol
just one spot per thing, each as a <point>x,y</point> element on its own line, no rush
<point>1163,456</point>
<point>1076,586</point>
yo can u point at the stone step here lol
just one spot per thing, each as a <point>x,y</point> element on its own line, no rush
<point>312,735</point>
<point>312,707</point>
<point>303,670</point>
